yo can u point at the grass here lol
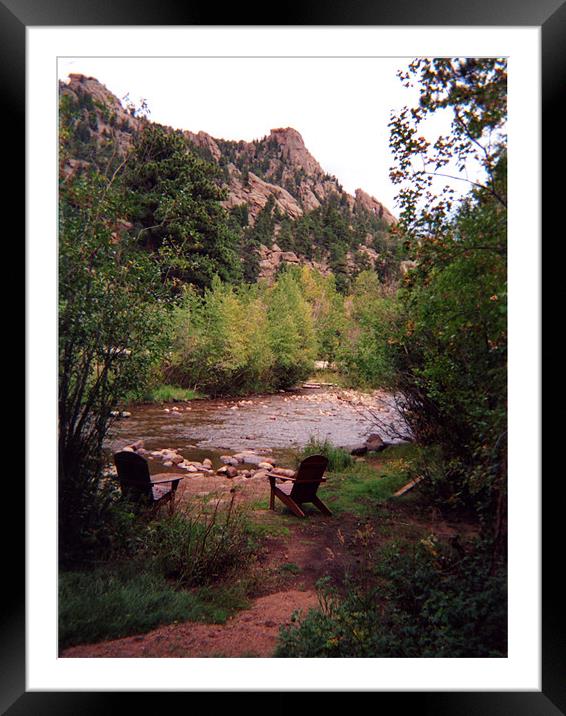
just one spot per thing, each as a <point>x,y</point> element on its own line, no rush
<point>361,486</point>
<point>338,458</point>
<point>165,394</point>
<point>111,602</point>
<point>290,568</point>
<point>327,375</point>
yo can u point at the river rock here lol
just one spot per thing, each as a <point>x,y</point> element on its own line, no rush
<point>359,450</point>
<point>265,465</point>
<point>250,458</point>
<point>207,463</point>
<point>284,472</point>
<point>125,414</point>
<point>167,463</point>
<point>260,474</point>
<point>374,443</point>
<point>229,460</point>
<point>231,471</point>
<point>176,459</point>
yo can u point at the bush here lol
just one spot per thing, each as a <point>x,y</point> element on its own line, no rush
<point>427,600</point>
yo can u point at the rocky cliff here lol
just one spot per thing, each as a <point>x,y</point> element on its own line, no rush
<point>276,174</point>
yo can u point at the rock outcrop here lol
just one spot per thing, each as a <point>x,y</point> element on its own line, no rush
<point>277,168</point>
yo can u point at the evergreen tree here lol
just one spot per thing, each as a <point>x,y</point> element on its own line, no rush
<point>175,207</point>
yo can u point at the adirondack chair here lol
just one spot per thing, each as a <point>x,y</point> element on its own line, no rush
<point>302,487</point>
<point>137,484</point>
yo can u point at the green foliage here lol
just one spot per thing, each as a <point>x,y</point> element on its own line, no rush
<point>327,311</point>
<point>365,358</point>
<point>425,600</point>
<point>163,394</point>
<point>220,341</point>
<point>450,352</point>
<point>291,332</point>
<point>110,338</point>
<point>175,206</point>
<point>240,340</point>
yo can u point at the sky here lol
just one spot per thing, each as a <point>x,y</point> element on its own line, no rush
<point>341,106</point>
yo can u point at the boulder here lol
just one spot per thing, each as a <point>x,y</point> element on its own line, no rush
<point>231,471</point>
<point>374,443</point>
<point>229,460</point>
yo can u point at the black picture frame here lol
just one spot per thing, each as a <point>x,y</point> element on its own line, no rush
<point>550,15</point>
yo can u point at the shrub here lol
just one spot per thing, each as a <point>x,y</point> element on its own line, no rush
<point>427,600</point>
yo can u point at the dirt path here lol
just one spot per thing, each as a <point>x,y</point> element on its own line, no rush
<point>250,633</point>
<point>295,555</point>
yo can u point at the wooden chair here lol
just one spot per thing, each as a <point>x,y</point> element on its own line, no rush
<point>302,487</point>
<point>137,484</point>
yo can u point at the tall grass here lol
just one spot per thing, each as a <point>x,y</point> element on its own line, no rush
<point>160,570</point>
<point>200,545</point>
<point>338,458</point>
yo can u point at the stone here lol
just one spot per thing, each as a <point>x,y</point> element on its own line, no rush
<point>374,443</point>
<point>284,472</point>
<point>207,463</point>
<point>176,459</point>
<point>167,463</point>
<point>359,450</point>
<point>260,474</point>
<point>229,460</point>
<point>231,471</point>
<point>125,414</point>
<point>265,466</point>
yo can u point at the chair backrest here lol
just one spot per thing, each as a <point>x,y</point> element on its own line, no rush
<point>133,473</point>
<point>308,477</point>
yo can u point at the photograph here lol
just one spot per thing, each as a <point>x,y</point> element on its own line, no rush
<point>283,358</point>
<point>282,327</point>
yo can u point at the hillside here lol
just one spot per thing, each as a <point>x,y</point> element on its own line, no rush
<point>285,208</point>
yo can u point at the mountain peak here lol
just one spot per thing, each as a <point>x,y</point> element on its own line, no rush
<point>294,151</point>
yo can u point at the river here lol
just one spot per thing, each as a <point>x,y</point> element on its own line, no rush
<point>279,423</point>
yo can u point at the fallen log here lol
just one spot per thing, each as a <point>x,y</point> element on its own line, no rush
<point>407,487</point>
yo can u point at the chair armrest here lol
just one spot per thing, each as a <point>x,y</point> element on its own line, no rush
<point>170,478</point>
<point>294,479</point>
